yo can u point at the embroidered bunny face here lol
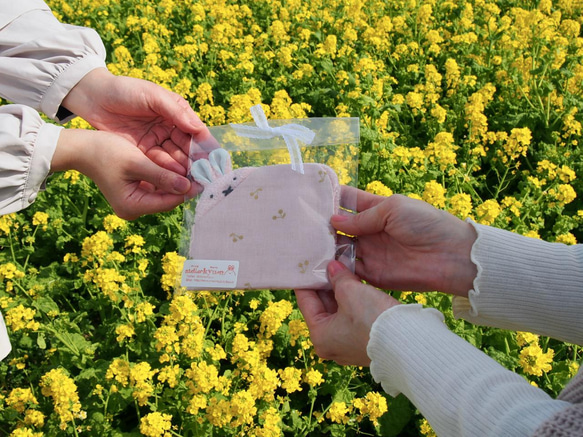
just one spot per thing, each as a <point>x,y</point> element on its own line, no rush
<point>217,177</point>
<point>274,221</point>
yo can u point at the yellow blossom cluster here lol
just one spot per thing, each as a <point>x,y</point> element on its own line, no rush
<point>62,389</point>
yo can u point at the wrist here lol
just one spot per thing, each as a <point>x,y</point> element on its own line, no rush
<point>463,270</point>
<point>81,98</point>
<point>74,150</point>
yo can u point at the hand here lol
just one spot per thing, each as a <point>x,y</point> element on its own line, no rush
<point>340,321</point>
<point>130,181</point>
<point>159,122</point>
<point>407,244</point>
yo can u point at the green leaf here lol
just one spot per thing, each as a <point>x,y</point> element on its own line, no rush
<point>399,413</point>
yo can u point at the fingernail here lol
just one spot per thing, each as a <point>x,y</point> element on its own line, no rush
<point>181,185</point>
<point>335,267</point>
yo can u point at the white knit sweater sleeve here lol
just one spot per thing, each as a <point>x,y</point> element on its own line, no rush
<point>458,389</point>
<point>41,59</point>
<point>525,284</point>
<point>522,284</point>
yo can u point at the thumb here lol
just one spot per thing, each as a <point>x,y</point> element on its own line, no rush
<point>341,278</point>
<point>163,179</point>
<point>369,221</point>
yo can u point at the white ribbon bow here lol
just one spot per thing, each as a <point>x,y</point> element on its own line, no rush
<point>291,133</point>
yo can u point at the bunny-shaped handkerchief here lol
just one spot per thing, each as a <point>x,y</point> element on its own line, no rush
<point>261,227</point>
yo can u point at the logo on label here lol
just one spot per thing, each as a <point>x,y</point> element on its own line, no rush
<point>202,274</point>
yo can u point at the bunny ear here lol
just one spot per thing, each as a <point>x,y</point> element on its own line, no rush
<point>202,172</point>
<point>220,160</point>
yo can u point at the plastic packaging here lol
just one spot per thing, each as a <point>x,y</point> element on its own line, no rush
<point>262,220</point>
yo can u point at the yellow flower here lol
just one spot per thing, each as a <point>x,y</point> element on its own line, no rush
<point>218,412</point>
<point>203,378</point>
<point>271,421</point>
<point>523,338</point>
<point>297,329</point>
<point>25,432</point>
<point>290,379</point>
<point>425,429</point>
<point>62,389</point>
<point>313,377</point>
<point>124,331</point>
<point>169,375</point>
<point>441,151</point>
<point>338,412</point>
<point>516,144</point>
<point>204,94</point>
<point>156,425</point>
<point>172,266</point>
<point>134,243</point>
<point>373,405</point>
<point>460,205</point>
<point>6,222</point>
<point>567,238</point>
<point>141,381</point>
<point>272,318</point>
<point>534,361</point>
<point>34,418</point>
<point>119,370</point>
<point>20,399</point>
<point>434,193</point>
<point>40,218</point>
<point>263,382</point>
<point>95,247</point>
<point>21,318</point>
<point>112,223</point>
<point>565,194</point>
<point>414,100</point>
<point>377,187</point>
<point>488,211</point>
<point>73,176</point>
<point>242,408</point>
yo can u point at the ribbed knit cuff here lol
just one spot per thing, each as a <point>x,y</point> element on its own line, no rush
<point>525,284</point>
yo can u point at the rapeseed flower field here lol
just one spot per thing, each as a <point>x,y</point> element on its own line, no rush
<point>474,106</point>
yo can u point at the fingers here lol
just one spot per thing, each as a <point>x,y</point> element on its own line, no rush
<point>141,202</point>
<point>358,200</point>
<point>369,221</point>
<point>340,276</point>
<point>311,306</point>
<point>163,179</point>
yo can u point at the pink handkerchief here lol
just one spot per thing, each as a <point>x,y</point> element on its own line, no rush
<point>261,227</point>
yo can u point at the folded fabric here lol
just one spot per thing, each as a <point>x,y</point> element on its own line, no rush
<point>272,222</point>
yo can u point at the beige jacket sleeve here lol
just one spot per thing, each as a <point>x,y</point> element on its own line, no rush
<point>41,60</point>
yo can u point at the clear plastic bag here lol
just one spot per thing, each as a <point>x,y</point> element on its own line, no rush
<point>262,220</point>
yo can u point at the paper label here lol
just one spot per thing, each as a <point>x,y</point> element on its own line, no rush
<point>205,273</point>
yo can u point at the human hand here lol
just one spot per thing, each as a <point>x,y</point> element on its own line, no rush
<point>159,122</point>
<point>129,180</point>
<point>407,244</point>
<point>340,320</point>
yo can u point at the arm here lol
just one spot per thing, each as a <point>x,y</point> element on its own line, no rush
<point>41,58</point>
<point>525,284</point>
<point>459,389</point>
<point>30,149</point>
<point>60,70</point>
<point>501,279</point>
<point>27,145</point>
